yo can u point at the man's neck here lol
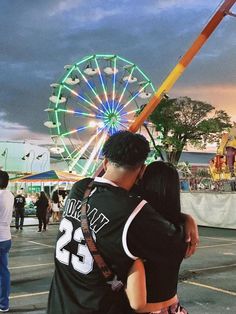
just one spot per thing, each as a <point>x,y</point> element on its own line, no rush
<point>122,180</point>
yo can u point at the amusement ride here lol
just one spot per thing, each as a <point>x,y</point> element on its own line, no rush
<point>104,93</point>
<point>97,96</point>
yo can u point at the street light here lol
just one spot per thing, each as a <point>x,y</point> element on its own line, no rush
<point>5,154</point>
<point>44,160</point>
<point>27,156</point>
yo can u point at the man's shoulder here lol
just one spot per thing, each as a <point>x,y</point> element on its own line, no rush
<point>83,183</point>
<point>80,186</point>
<point>9,193</point>
<point>6,194</point>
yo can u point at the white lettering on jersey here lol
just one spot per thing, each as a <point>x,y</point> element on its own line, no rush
<point>73,209</point>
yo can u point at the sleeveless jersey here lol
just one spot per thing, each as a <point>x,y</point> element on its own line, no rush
<point>116,223</point>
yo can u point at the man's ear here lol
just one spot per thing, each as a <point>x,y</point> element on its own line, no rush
<point>140,174</point>
<point>142,170</point>
<point>104,163</point>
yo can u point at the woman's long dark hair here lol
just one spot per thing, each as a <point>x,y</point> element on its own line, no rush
<point>161,188</point>
<point>55,197</point>
<point>43,196</point>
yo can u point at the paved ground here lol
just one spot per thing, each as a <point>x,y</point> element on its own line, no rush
<point>207,280</point>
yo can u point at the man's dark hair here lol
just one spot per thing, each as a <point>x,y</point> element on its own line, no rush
<point>4,178</point>
<point>126,149</point>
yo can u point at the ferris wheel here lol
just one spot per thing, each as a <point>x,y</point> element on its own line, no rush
<point>97,96</point>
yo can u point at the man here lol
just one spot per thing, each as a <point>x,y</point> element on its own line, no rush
<point>123,226</point>
<point>19,204</point>
<point>6,209</point>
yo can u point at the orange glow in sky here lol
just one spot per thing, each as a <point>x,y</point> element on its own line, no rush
<point>222,97</point>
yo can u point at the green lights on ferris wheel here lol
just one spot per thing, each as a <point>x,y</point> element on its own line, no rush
<point>97,96</point>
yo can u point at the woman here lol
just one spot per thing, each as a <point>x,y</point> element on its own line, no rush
<point>42,206</point>
<point>156,282</point>
<point>55,206</point>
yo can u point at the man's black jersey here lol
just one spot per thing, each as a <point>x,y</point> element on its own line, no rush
<point>124,227</point>
<point>19,201</point>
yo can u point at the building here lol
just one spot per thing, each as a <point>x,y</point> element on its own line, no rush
<point>20,157</point>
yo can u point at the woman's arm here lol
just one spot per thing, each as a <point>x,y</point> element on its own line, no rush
<point>136,286</point>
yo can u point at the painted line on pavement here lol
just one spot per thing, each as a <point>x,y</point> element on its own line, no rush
<point>29,266</point>
<point>211,268</point>
<point>216,245</point>
<point>221,239</point>
<point>28,295</point>
<point>26,249</point>
<point>210,287</point>
<point>53,246</point>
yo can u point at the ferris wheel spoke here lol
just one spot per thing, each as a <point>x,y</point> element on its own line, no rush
<point>82,128</point>
<point>82,98</point>
<point>84,148</point>
<point>114,81</point>
<point>74,152</point>
<point>90,86</point>
<point>96,165</point>
<point>126,85</point>
<point>126,121</point>
<point>134,96</point>
<point>103,84</point>
<point>94,153</point>
<point>65,147</point>
<point>130,112</point>
<point>89,98</point>
<point>122,124</point>
<point>77,112</point>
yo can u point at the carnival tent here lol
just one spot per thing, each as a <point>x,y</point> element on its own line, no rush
<point>49,176</point>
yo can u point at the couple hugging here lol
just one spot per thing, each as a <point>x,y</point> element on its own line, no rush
<point>138,229</point>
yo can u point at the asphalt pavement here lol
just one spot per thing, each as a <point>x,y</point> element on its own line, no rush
<point>207,280</point>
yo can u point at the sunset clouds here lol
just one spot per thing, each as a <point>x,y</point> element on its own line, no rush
<point>37,38</point>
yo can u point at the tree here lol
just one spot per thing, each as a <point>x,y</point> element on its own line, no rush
<point>185,121</point>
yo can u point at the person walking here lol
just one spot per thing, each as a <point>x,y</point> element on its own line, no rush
<point>42,206</point>
<point>123,227</point>
<point>55,206</point>
<point>6,210</point>
<point>19,205</point>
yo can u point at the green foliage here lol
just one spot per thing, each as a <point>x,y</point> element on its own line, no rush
<point>203,173</point>
<point>185,121</point>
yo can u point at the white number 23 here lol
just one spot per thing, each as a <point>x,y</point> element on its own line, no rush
<point>83,261</point>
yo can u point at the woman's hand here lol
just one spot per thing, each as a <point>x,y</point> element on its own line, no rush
<point>191,235</point>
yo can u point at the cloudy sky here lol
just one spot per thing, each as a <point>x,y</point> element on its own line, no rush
<point>37,38</point>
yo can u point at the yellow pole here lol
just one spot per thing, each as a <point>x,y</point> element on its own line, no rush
<point>182,64</point>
